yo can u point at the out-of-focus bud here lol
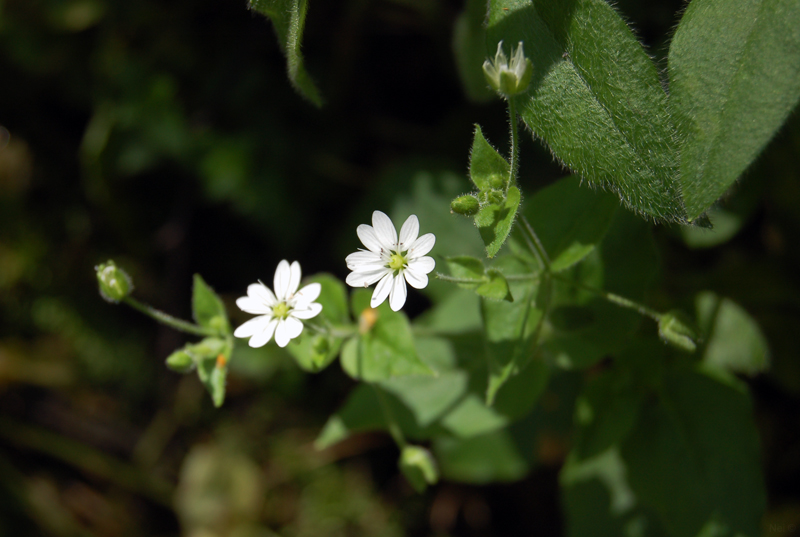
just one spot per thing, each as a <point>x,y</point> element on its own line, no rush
<point>508,78</point>
<point>419,467</point>
<point>467,205</point>
<point>673,331</point>
<point>115,284</point>
<point>180,361</point>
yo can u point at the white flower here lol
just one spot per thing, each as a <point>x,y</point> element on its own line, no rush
<point>389,261</point>
<point>509,78</point>
<point>279,313</point>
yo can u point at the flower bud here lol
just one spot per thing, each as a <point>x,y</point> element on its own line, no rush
<point>114,283</point>
<point>508,78</point>
<point>180,361</point>
<point>674,332</point>
<point>467,205</point>
<point>419,467</point>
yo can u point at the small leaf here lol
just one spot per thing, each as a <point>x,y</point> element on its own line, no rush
<point>385,346</point>
<point>734,69</point>
<point>487,168</point>
<point>466,460</point>
<point>496,287</point>
<point>207,307</point>
<point>467,268</point>
<point>213,373</point>
<point>734,340</point>
<point>494,221</point>
<point>289,17</point>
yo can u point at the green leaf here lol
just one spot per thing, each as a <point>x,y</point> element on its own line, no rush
<point>385,347</point>
<point>212,374</point>
<point>496,286</point>
<point>466,460</point>
<point>487,168</point>
<point>569,220</point>
<point>361,412</point>
<point>734,342</point>
<point>428,397</point>
<point>207,307</point>
<point>469,47</point>
<point>693,457</point>
<point>606,411</point>
<point>595,99</point>
<point>289,17</point>
<point>510,328</point>
<point>467,268</point>
<point>494,221</point>
<point>734,70</point>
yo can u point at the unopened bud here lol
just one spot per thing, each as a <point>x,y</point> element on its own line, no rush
<point>467,205</point>
<point>180,361</point>
<point>419,467</point>
<point>114,283</point>
<point>673,331</point>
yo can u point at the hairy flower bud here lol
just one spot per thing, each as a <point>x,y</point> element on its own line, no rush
<point>419,467</point>
<point>467,205</point>
<point>180,361</point>
<point>114,283</point>
<point>673,331</point>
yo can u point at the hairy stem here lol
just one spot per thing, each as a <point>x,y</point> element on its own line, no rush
<point>169,320</point>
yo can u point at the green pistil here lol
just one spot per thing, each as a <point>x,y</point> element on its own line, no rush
<point>397,262</point>
<point>281,311</point>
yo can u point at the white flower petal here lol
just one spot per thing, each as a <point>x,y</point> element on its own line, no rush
<point>369,239</point>
<point>261,292</point>
<point>362,258</point>
<point>409,232</point>
<point>307,294</point>
<point>312,310</point>
<point>282,333</point>
<point>293,327</point>
<point>283,275</point>
<point>294,278</point>
<point>382,290</point>
<point>252,326</point>
<point>365,279</point>
<point>261,338</point>
<point>397,297</point>
<point>417,280</point>
<point>384,229</point>
<point>422,246</point>
<point>422,265</point>
<point>253,305</point>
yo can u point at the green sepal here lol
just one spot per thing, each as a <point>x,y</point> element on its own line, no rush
<point>207,308</point>
<point>419,467</point>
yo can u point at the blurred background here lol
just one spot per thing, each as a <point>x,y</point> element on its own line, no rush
<point>165,135</point>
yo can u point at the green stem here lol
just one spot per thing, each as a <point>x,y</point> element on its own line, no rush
<point>169,320</point>
<point>391,423</point>
<point>536,245</point>
<point>615,299</point>
<point>512,116</point>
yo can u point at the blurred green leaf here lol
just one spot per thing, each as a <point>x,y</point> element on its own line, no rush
<point>494,220</point>
<point>725,226</point>
<point>734,69</point>
<point>466,460</point>
<point>469,47</point>
<point>496,286</point>
<point>569,220</point>
<point>207,307</point>
<point>385,347</point>
<point>467,268</point>
<point>612,124</point>
<point>734,341</point>
<point>694,457</point>
<point>419,467</point>
<point>289,17</point>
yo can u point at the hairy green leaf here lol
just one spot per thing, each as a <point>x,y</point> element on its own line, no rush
<point>207,307</point>
<point>595,99</point>
<point>289,17</point>
<point>487,168</point>
<point>734,70</point>
<point>494,221</point>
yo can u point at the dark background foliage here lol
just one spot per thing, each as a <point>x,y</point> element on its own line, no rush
<point>165,135</point>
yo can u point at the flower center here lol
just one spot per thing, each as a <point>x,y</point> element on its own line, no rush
<point>281,310</point>
<point>397,262</point>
